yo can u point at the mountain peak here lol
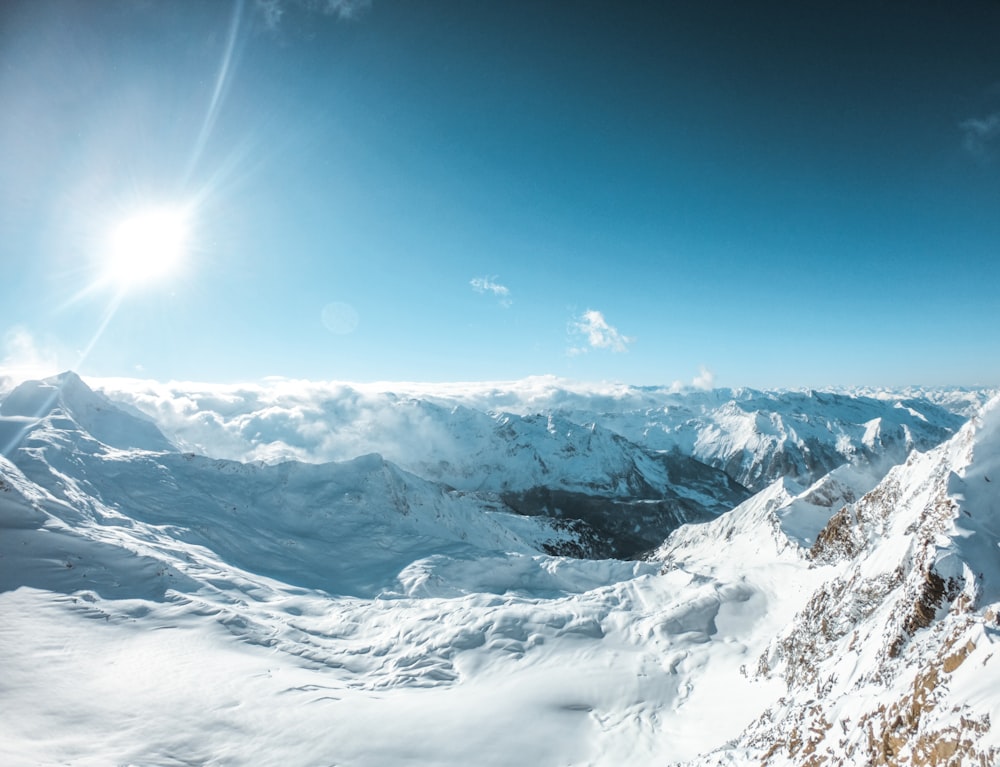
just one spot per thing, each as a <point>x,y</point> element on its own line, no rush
<point>91,411</point>
<point>66,378</point>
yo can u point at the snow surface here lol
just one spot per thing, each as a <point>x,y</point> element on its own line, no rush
<point>167,607</point>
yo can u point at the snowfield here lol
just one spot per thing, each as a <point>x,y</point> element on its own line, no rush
<point>327,575</point>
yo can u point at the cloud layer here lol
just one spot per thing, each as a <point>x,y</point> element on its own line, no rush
<point>332,421</point>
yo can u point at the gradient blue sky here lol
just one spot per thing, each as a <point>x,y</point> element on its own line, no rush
<point>779,193</point>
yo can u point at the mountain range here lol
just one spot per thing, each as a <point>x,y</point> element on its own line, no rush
<point>528,573</point>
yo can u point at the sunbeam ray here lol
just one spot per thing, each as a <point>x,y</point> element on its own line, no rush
<point>222,80</point>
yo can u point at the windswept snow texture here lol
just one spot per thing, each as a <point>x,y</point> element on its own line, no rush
<point>379,603</point>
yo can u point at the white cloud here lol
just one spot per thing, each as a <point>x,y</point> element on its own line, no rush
<point>288,420</point>
<point>982,135</point>
<point>704,380</point>
<point>598,333</point>
<point>490,285</point>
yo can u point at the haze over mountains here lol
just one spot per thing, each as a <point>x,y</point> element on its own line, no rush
<point>526,573</point>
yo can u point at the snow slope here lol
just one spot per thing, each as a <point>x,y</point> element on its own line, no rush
<point>161,607</point>
<point>164,607</point>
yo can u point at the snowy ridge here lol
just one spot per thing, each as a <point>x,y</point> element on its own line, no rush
<point>757,437</point>
<point>891,660</point>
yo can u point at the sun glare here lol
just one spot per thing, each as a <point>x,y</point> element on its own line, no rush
<point>147,246</point>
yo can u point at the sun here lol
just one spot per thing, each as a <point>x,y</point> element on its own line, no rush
<point>147,246</point>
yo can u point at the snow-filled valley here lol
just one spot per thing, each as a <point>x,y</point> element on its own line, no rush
<point>530,573</point>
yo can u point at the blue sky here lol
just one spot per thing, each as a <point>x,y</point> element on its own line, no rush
<point>767,194</point>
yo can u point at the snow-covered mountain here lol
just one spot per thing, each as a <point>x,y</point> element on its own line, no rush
<point>627,497</point>
<point>757,437</point>
<point>633,463</point>
<point>891,659</point>
<point>167,607</point>
<point>100,466</point>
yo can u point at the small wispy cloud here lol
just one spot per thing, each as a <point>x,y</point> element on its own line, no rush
<point>981,136</point>
<point>490,285</point>
<point>272,10</point>
<point>344,9</point>
<point>597,333</point>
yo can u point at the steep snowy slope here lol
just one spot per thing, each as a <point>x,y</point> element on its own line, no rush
<point>777,525</point>
<point>891,661</point>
